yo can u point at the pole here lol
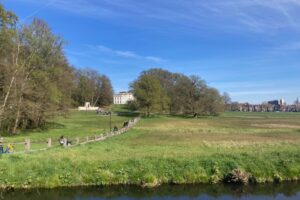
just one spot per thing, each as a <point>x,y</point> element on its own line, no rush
<point>110,121</point>
<point>49,143</point>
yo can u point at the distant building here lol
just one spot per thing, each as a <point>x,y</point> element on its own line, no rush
<point>269,106</point>
<point>87,107</point>
<point>274,102</point>
<point>279,102</point>
<point>276,105</point>
<point>123,97</point>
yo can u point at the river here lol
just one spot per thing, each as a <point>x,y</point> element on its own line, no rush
<point>286,191</point>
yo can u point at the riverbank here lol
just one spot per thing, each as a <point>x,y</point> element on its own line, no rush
<point>287,191</point>
<point>169,150</point>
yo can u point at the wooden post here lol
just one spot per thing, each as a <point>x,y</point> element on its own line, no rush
<point>27,145</point>
<point>95,137</point>
<point>49,143</point>
<point>77,140</point>
<point>87,138</point>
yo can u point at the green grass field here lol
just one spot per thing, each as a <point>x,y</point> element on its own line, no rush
<point>162,149</point>
<point>76,124</point>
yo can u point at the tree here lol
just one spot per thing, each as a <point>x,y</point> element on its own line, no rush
<point>167,80</point>
<point>132,105</point>
<point>189,91</point>
<point>106,92</point>
<point>148,93</point>
<point>227,101</point>
<point>8,31</point>
<point>234,106</point>
<point>41,87</point>
<point>186,95</point>
<point>90,86</point>
<point>212,103</point>
<point>37,78</point>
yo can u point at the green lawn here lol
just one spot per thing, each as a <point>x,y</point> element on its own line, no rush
<point>163,149</point>
<point>76,124</point>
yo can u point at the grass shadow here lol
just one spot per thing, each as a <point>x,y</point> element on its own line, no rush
<point>54,125</point>
<point>46,127</point>
<point>182,116</point>
<point>128,114</point>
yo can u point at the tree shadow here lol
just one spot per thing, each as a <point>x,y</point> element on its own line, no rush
<point>190,116</point>
<point>53,125</point>
<point>47,126</point>
<point>128,114</point>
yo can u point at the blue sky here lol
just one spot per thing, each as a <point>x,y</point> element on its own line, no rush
<point>248,48</point>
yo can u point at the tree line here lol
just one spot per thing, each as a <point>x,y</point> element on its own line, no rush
<point>36,80</point>
<point>161,91</point>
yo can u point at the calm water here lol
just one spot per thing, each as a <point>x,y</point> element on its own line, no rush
<point>290,191</point>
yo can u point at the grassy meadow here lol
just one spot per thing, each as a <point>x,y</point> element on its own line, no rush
<point>76,124</point>
<point>161,149</point>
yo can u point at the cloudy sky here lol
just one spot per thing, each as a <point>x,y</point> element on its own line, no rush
<point>248,48</point>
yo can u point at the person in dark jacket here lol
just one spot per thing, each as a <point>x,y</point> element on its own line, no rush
<point>1,149</point>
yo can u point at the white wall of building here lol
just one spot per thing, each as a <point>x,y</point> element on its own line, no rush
<point>123,97</point>
<point>87,107</point>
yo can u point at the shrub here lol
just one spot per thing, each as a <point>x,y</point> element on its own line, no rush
<point>237,176</point>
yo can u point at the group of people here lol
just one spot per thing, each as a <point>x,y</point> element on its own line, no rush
<point>9,148</point>
<point>63,141</point>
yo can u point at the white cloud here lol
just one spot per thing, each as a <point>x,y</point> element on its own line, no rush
<point>124,54</point>
<point>262,16</point>
<point>128,54</point>
<point>293,46</point>
<point>259,92</point>
<point>153,58</point>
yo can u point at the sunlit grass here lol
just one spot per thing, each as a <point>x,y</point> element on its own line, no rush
<point>164,149</point>
<point>76,124</point>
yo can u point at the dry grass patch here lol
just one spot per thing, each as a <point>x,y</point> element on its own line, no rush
<point>275,126</point>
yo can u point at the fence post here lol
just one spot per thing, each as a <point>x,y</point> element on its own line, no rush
<point>65,142</point>
<point>87,138</point>
<point>49,143</point>
<point>77,140</point>
<point>95,137</point>
<point>27,145</point>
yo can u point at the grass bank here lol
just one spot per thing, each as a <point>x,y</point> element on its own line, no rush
<point>165,149</point>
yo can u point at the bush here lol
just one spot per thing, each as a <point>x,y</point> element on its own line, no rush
<point>237,176</point>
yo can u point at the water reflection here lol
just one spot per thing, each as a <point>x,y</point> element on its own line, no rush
<point>286,191</point>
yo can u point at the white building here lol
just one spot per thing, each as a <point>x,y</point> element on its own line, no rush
<point>87,107</point>
<point>123,97</point>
